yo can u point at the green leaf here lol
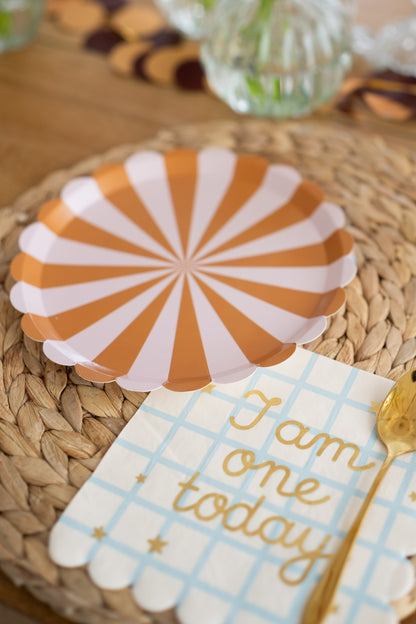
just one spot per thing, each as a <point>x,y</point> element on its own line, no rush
<point>5,24</point>
<point>277,92</point>
<point>208,4</point>
<point>255,87</point>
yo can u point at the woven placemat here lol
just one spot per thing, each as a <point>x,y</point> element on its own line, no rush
<point>55,427</point>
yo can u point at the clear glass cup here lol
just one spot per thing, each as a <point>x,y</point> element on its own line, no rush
<point>277,58</point>
<point>19,21</point>
<point>188,16</point>
<point>393,46</point>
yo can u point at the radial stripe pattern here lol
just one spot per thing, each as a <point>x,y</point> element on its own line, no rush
<point>181,268</point>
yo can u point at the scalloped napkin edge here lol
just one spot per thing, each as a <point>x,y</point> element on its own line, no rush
<point>226,502</point>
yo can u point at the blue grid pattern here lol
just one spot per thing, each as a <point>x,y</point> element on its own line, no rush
<point>216,535</point>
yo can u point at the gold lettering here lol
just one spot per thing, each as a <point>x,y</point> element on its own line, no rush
<point>296,439</point>
<point>298,541</point>
<point>273,468</point>
<point>268,402</point>
<point>287,527</point>
<point>327,441</point>
<point>242,526</point>
<point>309,486</point>
<point>341,447</point>
<point>309,557</point>
<point>219,500</point>
<point>220,505</point>
<point>247,459</point>
<point>185,487</point>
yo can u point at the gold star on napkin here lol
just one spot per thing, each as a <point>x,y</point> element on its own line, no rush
<point>99,533</point>
<point>374,407</point>
<point>156,545</point>
<point>208,388</point>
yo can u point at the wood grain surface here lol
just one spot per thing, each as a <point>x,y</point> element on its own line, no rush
<point>60,104</point>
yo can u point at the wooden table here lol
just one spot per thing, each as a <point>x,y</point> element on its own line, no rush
<point>59,104</point>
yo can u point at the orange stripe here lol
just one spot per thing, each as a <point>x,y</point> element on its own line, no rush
<point>66,324</point>
<point>58,218</point>
<point>34,272</point>
<point>93,374</point>
<point>31,329</point>
<point>306,304</point>
<point>189,368</point>
<point>339,244</point>
<point>248,176</point>
<point>181,166</point>
<point>258,345</point>
<point>116,187</point>
<point>276,358</point>
<point>307,197</point>
<point>120,355</point>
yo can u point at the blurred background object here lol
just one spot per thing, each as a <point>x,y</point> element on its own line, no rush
<point>392,46</point>
<point>19,21</point>
<point>387,94</point>
<point>301,61</point>
<point>188,16</point>
<point>277,58</point>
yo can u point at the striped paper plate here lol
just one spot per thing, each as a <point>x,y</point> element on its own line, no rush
<point>181,268</point>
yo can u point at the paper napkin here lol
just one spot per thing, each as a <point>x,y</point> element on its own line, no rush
<point>227,503</point>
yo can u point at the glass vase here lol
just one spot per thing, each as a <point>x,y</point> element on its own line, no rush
<point>188,16</point>
<point>277,58</point>
<point>19,21</point>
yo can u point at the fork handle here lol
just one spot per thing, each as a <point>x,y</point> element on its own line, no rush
<point>321,599</point>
